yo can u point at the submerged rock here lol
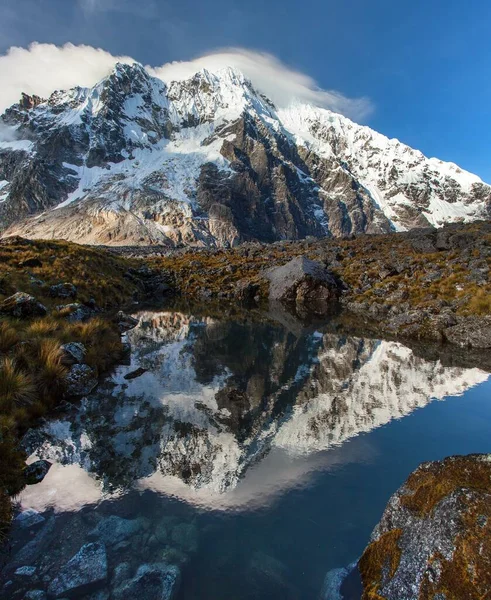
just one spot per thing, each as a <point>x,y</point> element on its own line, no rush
<point>331,589</point>
<point>80,380</point>
<point>434,538</point>
<point>83,572</point>
<point>158,582</point>
<point>114,529</point>
<point>22,305</point>
<point>28,519</point>
<point>36,471</point>
<point>304,284</point>
<point>136,373</point>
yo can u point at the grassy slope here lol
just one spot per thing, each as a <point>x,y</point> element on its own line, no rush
<point>31,372</point>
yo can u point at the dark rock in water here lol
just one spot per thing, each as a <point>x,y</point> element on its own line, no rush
<point>435,535</point>
<point>158,582</point>
<point>125,322</point>
<point>185,535</point>
<point>73,353</point>
<point>114,529</point>
<point>63,290</point>
<point>22,305</point>
<point>35,595</point>
<point>75,312</point>
<point>82,573</point>
<point>136,373</point>
<point>36,471</point>
<point>246,292</point>
<point>305,284</point>
<point>472,332</point>
<point>28,519</point>
<point>31,262</point>
<point>80,380</point>
<point>26,573</point>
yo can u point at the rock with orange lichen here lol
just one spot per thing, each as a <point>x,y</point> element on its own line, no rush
<point>434,539</point>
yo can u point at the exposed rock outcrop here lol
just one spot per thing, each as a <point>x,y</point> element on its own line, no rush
<point>434,538</point>
<point>22,305</point>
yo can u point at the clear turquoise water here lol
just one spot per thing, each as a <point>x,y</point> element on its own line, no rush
<point>277,448</point>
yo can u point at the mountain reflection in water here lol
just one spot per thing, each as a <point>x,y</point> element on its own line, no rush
<point>233,417</point>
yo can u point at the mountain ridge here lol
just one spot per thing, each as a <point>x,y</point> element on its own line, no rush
<point>210,161</point>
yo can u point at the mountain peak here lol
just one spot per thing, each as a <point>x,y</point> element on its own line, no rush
<point>209,160</point>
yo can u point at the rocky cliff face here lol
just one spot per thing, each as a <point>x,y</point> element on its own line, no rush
<point>211,161</point>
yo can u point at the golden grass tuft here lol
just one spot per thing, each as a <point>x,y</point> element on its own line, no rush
<point>8,337</point>
<point>16,387</point>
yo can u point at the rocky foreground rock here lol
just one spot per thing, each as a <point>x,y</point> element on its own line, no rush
<point>434,538</point>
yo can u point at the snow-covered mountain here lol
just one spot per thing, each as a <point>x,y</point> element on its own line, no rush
<point>211,161</point>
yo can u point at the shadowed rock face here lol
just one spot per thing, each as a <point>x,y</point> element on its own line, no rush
<point>210,161</point>
<point>434,538</point>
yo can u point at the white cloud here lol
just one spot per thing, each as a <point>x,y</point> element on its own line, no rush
<point>42,68</point>
<point>272,77</point>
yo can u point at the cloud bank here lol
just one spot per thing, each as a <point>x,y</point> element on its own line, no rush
<point>42,68</point>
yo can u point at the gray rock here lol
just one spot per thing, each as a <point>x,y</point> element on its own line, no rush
<point>36,471</point>
<point>28,519</point>
<point>26,572</point>
<point>80,380</point>
<point>114,530</point>
<point>472,332</point>
<point>83,572</point>
<point>136,373</point>
<point>63,290</point>
<point>121,573</point>
<point>22,305</point>
<point>305,283</point>
<point>74,353</point>
<point>75,312</point>
<point>158,582</point>
<point>125,322</point>
<point>35,595</point>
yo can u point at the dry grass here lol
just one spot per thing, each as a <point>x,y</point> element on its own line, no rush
<point>16,386</point>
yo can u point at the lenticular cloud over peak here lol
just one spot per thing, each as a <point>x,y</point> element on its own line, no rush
<point>42,68</point>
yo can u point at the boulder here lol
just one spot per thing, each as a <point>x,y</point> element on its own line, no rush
<point>26,573</point>
<point>304,284</point>
<point>75,312</point>
<point>157,581</point>
<point>80,380</point>
<point>63,290</point>
<point>73,353</point>
<point>83,573</point>
<point>35,595</point>
<point>125,322</point>
<point>28,519</point>
<point>136,373</point>
<point>36,471</point>
<point>470,332</point>
<point>31,263</point>
<point>113,529</point>
<point>22,305</point>
<point>434,538</point>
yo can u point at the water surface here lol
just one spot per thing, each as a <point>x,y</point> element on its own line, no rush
<point>254,455</point>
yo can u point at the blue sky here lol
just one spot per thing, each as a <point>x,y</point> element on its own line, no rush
<point>423,65</point>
